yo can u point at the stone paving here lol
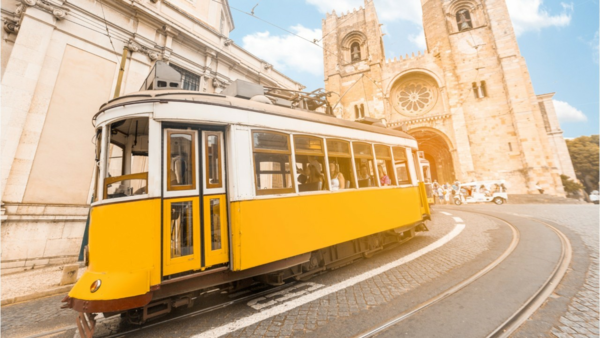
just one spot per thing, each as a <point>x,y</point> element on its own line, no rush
<point>582,317</point>
<point>355,300</point>
<point>32,281</point>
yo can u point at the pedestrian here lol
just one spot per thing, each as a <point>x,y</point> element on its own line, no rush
<point>539,188</point>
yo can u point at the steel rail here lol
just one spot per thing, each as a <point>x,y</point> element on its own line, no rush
<point>160,322</point>
<point>536,301</point>
<point>409,313</point>
<point>525,311</point>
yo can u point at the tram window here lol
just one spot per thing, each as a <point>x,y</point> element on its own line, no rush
<point>212,144</point>
<point>401,165</point>
<point>310,163</point>
<point>272,163</point>
<point>127,167</point>
<point>384,165</point>
<point>181,161</point>
<point>340,164</point>
<point>365,167</point>
<point>182,231</point>
<point>215,221</point>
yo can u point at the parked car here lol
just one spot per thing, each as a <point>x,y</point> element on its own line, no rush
<point>482,191</point>
<point>594,196</point>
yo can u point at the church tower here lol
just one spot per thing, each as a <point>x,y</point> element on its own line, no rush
<point>493,93</point>
<point>353,54</point>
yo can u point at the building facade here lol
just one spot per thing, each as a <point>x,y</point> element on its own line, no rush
<point>468,99</point>
<point>60,61</point>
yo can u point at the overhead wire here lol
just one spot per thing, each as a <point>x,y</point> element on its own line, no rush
<point>107,32</point>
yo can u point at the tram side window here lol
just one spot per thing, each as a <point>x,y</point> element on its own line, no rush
<point>272,163</point>
<point>401,165</point>
<point>127,167</point>
<point>365,167</point>
<point>212,141</point>
<point>310,163</point>
<point>384,166</point>
<point>181,160</point>
<point>340,165</point>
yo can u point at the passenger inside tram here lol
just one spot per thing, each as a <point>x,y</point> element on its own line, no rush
<point>384,179</point>
<point>365,174</point>
<point>337,178</point>
<point>310,173</point>
<point>344,172</point>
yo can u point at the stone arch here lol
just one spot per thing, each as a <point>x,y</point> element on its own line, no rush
<point>439,151</point>
<point>474,14</point>
<point>353,38</point>
<point>439,81</point>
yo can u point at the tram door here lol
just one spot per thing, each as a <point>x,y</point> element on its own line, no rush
<point>194,201</point>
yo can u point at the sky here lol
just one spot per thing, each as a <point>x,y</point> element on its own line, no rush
<point>559,40</point>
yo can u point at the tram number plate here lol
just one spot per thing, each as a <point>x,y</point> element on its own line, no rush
<point>283,295</point>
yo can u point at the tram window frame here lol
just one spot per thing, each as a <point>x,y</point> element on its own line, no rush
<point>398,161</point>
<point>219,164</point>
<point>333,155</point>
<point>371,166</point>
<point>311,153</point>
<point>257,150</point>
<point>97,164</point>
<point>193,134</point>
<point>126,191</point>
<point>388,163</point>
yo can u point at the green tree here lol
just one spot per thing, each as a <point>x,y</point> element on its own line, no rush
<point>570,185</point>
<point>584,153</point>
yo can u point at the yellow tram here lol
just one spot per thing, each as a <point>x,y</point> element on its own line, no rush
<point>196,191</point>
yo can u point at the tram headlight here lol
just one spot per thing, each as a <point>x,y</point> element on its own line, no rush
<point>95,286</point>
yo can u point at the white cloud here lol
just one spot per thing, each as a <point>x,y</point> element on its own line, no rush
<point>530,15</point>
<point>418,40</point>
<point>288,52</point>
<point>568,113</point>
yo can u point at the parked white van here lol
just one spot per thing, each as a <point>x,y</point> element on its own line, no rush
<point>481,192</point>
<point>594,197</point>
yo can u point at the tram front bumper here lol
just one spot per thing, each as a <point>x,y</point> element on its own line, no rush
<point>110,291</point>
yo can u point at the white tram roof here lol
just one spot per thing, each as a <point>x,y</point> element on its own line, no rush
<point>164,96</point>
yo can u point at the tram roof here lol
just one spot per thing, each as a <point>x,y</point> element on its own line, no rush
<point>149,96</point>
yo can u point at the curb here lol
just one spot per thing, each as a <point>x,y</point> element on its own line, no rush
<point>36,295</point>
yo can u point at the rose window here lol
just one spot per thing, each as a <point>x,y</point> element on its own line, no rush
<point>414,97</point>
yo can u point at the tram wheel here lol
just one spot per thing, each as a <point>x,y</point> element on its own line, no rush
<point>498,201</point>
<point>457,201</point>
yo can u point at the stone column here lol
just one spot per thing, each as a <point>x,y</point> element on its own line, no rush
<point>20,80</point>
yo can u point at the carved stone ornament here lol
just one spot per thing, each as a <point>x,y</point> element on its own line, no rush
<point>267,66</point>
<point>227,42</point>
<point>219,85</point>
<point>152,54</point>
<point>11,26</point>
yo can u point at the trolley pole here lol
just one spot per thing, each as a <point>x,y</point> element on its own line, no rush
<point>121,71</point>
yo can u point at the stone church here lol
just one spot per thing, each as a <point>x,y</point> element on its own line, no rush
<point>468,99</point>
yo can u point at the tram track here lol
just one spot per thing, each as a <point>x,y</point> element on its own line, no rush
<point>523,313</point>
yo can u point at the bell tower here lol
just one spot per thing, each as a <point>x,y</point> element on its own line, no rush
<point>490,91</point>
<point>353,58</point>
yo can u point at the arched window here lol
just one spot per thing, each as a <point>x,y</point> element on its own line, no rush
<point>355,52</point>
<point>463,20</point>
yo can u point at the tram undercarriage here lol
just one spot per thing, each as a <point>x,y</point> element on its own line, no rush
<point>184,291</point>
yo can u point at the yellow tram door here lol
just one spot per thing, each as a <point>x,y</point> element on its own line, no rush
<point>216,237</point>
<point>195,233</point>
<point>181,202</point>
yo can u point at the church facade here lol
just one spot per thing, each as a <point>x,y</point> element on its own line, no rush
<point>468,99</point>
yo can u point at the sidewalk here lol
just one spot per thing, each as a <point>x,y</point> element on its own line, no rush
<point>33,284</point>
